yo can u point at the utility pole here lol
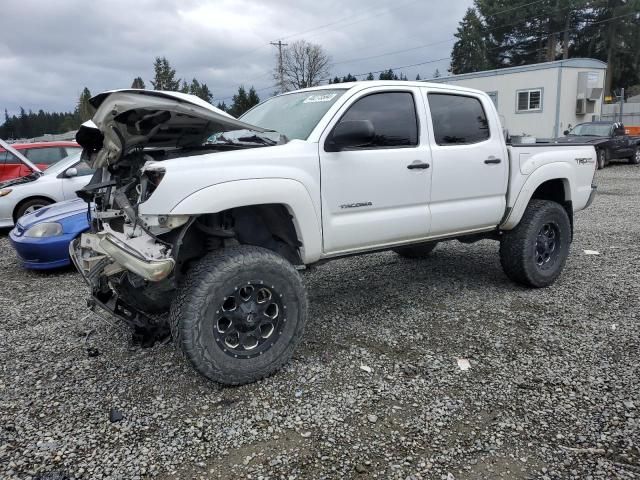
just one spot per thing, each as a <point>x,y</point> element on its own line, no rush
<point>279,44</point>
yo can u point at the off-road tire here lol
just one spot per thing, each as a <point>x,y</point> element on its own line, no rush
<point>518,247</point>
<point>34,202</point>
<point>420,250</point>
<point>192,313</point>
<point>635,158</point>
<point>601,159</point>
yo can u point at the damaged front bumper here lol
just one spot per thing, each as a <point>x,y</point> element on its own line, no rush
<point>109,254</point>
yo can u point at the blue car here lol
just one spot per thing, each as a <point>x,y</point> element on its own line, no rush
<point>42,238</point>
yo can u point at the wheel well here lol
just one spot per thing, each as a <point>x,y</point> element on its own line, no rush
<point>556,190</point>
<point>269,226</point>
<point>28,199</point>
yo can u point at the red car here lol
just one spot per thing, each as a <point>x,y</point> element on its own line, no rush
<point>42,154</point>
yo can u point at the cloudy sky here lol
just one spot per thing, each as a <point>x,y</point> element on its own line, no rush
<point>49,51</point>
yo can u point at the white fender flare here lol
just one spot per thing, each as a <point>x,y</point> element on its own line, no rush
<point>554,171</point>
<point>243,193</point>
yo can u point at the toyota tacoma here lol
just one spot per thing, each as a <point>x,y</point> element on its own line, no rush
<point>210,218</point>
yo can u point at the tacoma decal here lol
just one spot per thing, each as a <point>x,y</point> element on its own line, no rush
<point>356,205</point>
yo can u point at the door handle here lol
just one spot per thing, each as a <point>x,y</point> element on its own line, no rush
<point>417,164</point>
<point>491,160</point>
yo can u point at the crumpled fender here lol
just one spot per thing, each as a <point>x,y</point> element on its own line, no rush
<point>241,193</point>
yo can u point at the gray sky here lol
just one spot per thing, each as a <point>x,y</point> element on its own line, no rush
<point>51,50</point>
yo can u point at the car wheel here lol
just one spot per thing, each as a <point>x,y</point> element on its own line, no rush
<point>602,159</point>
<point>239,314</point>
<point>416,251</point>
<point>635,158</point>
<point>535,252</point>
<point>31,206</point>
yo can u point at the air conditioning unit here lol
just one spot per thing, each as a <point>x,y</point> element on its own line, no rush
<point>584,106</point>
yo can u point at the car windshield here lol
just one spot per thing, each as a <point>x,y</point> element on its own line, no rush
<point>591,130</point>
<point>295,114</point>
<point>54,168</point>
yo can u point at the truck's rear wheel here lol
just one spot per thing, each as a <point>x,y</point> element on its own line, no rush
<point>239,314</point>
<point>420,250</point>
<point>535,252</point>
<point>635,158</point>
<point>602,159</point>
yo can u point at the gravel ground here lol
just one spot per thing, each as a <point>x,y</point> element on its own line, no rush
<point>551,391</point>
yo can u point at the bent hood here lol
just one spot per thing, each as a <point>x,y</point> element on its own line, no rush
<point>6,147</point>
<point>129,119</point>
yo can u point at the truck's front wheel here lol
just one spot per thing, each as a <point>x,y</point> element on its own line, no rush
<point>535,252</point>
<point>239,314</point>
<point>602,159</point>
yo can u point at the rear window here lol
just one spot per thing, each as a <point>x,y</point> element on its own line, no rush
<point>457,119</point>
<point>45,156</point>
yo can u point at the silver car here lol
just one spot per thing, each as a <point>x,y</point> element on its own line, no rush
<point>27,194</point>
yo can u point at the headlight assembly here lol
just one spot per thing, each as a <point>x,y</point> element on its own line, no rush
<point>46,229</point>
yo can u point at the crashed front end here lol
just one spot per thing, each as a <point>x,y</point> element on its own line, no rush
<point>131,261</point>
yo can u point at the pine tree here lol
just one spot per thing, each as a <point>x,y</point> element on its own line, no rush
<point>243,101</point>
<point>437,74</point>
<point>418,77</point>
<point>370,76</point>
<point>469,53</point>
<point>165,76</point>
<point>138,83</point>
<point>84,108</point>
<point>222,106</point>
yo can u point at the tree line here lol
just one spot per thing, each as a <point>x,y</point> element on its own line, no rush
<point>496,34</point>
<point>28,124</point>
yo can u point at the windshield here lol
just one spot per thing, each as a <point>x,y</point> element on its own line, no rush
<point>592,129</point>
<point>295,114</point>
<point>54,168</point>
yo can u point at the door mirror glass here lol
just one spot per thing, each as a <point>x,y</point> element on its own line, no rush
<point>71,172</point>
<point>350,133</point>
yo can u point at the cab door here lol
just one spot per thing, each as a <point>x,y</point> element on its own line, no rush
<point>74,178</point>
<point>377,193</point>
<point>470,162</point>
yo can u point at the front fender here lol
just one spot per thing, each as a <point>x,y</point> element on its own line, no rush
<point>243,193</point>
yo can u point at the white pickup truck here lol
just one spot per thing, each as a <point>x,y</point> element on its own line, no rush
<point>210,218</point>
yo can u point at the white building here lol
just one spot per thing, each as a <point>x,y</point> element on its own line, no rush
<point>542,99</point>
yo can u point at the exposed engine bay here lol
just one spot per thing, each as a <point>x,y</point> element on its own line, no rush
<point>133,262</point>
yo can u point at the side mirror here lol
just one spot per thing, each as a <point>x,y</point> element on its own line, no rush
<point>350,133</point>
<point>71,172</point>
<point>565,133</point>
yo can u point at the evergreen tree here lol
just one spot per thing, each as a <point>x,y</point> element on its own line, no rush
<point>349,78</point>
<point>165,76</point>
<point>388,75</point>
<point>84,109</point>
<point>184,88</point>
<point>243,101</point>
<point>469,53</point>
<point>222,106</point>
<point>138,83</point>
<point>437,74</point>
<point>418,77</point>
<point>370,76</point>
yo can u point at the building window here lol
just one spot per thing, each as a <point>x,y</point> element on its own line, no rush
<point>530,100</point>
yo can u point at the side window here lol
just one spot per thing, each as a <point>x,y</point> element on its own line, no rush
<point>44,156</point>
<point>457,119</point>
<point>393,115</point>
<point>529,100</point>
<point>83,169</point>
<point>72,150</point>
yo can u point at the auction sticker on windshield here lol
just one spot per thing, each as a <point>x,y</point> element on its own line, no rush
<point>320,98</point>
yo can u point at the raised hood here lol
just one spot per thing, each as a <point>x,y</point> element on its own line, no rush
<point>19,156</point>
<point>129,119</point>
